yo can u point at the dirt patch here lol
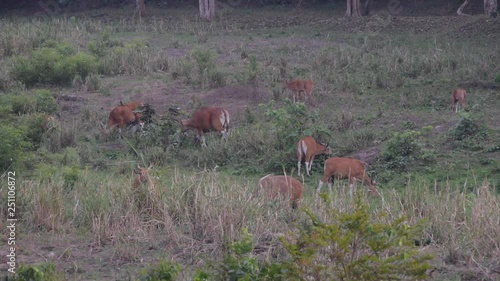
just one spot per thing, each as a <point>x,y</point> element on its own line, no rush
<point>368,155</point>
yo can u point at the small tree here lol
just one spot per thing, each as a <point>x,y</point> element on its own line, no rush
<point>350,246</point>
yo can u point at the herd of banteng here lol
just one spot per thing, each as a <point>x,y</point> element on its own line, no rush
<point>208,119</point>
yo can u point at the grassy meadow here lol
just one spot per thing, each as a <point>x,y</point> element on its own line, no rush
<point>382,88</point>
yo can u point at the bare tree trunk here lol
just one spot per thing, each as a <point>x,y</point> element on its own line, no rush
<point>353,8</point>
<point>207,9</point>
<point>461,8</point>
<point>490,7</point>
<point>141,7</point>
<point>367,8</point>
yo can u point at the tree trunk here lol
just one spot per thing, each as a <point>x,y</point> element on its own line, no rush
<point>461,8</point>
<point>490,7</point>
<point>207,9</point>
<point>353,8</point>
<point>141,7</point>
<point>367,8</point>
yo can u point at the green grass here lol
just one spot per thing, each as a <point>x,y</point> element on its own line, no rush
<point>76,180</point>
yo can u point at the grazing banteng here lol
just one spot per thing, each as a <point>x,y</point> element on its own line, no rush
<point>298,86</point>
<point>208,119</point>
<point>347,168</point>
<point>458,95</point>
<point>280,186</point>
<point>143,177</point>
<point>307,149</point>
<point>125,114</point>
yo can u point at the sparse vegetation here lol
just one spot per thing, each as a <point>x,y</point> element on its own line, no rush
<point>381,84</point>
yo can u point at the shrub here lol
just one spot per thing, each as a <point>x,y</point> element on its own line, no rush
<point>350,245</point>
<point>240,264</point>
<point>466,127</point>
<point>44,102</point>
<point>404,150</point>
<point>42,272</point>
<point>13,146</point>
<point>52,66</point>
<point>163,271</point>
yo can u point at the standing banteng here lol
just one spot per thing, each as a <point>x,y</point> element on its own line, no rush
<point>458,95</point>
<point>298,86</point>
<point>307,149</point>
<point>347,168</point>
<point>280,187</point>
<point>208,119</point>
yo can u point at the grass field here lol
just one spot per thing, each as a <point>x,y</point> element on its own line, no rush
<point>381,94</point>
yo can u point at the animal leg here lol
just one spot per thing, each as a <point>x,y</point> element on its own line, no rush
<point>307,168</point>
<point>320,185</point>
<point>298,167</point>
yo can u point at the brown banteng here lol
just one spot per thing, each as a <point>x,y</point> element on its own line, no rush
<point>458,95</point>
<point>307,149</point>
<point>125,114</point>
<point>142,176</point>
<point>298,86</point>
<point>346,168</point>
<point>208,119</point>
<point>280,187</point>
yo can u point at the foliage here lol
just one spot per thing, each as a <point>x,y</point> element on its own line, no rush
<point>404,150</point>
<point>43,272</point>
<point>240,265</point>
<point>13,146</point>
<point>467,127</point>
<point>52,65</point>
<point>352,246</point>
<point>163,271</point>
<point>293,121</point>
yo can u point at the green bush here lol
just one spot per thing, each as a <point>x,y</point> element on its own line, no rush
<point>163,271</point>
<point>350,245</point>
<point>45,102</point>
<point>403,151</point>
<point>13,146</point>
<point>43,272</point>
<point>239,264</point>
<point>52,66</point>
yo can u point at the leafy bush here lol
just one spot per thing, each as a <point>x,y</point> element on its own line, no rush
<point>404,150</point>
<point>43,272</point>
<point>52,65</point>
<point>353,246</point>
<point>293,121</point>
<point>13,146</point>
<point>240,264</point>
<point>163,271</point>
<point>466,127</point>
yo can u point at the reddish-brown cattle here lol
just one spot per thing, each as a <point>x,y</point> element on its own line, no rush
<point>124,114</point>
<point>208,119</point>
<point>346,168</point>
<point>307,149</point>
<point>280,187</point>
<point>457,96</point>
<point>298,86</point>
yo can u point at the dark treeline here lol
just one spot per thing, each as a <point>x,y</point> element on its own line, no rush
<point>475,6</point>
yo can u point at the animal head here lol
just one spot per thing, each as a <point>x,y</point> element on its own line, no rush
<point>142,176</point>
<point>328,149</point>
<point>372,187</point>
